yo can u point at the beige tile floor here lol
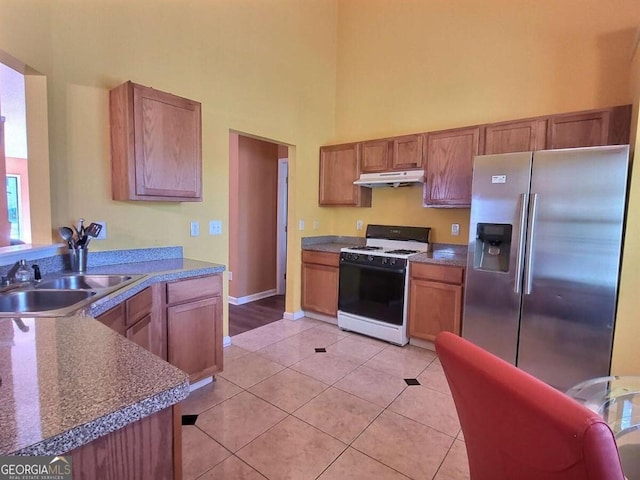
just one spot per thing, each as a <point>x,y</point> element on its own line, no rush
<point>280,410</point>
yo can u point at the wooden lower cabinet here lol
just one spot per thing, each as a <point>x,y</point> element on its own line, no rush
<point>320,282</point>
<point>149,449</point>
<point>435,300</point>
<point>135,319</point>
<point>194,325</point>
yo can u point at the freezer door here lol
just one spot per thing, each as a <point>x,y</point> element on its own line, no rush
<point>494,265</point>
<point>571,275</point>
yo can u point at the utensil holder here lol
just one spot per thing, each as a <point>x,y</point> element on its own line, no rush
<point>78,259</point>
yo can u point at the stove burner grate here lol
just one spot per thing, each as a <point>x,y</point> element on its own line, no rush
<point>366,248</point>
<point>401,251</point>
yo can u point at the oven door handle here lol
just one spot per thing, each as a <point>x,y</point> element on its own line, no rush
<point>373,267</point>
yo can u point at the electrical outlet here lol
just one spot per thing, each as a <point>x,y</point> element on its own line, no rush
<point>195,229</point>
<point>103,232</point>
<point>230,275</point>
<point>455,229</point>
<point>215,227</point>
<point>301,225</point>
<point>358,224</point>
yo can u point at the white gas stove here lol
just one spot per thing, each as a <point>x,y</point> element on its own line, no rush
<point>373,289</point>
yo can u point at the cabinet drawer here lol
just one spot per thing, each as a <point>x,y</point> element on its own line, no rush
<point>439,273</point>
<point>114,318</point>
<point>184,290</point>
<point>138,306</point>
<point>321,258</point>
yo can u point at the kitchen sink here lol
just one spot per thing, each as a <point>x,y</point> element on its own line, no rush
<point>83,282</point>
<point>28,301</point>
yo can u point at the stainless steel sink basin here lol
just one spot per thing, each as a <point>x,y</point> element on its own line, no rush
<point>83,282</point>
<point>41,300</point>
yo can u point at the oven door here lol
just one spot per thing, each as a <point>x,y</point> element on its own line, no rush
<point>372,291</point>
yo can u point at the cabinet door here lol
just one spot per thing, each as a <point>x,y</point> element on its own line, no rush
<point>511,137</point>
<point>338,170</point>
<point>320,288</point>
<point>376,156</point>
<point>155,145</point>
<point>114,319</point>
<point>140,333</point>
<point>195,337</point>
<point>139,306</point>
<point>587,129</point>
<point>449,156</point>
<point>407,152</point>
<point>434,307</point>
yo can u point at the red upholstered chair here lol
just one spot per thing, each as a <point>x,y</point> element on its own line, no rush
<point>517,427</point>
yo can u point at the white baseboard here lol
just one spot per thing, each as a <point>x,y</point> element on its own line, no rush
<point>426,344</point>
<point>293,316</point>
<point>200,384</point>
<point>253,297</point>
<point>322,317</point>
<point>226,341</point>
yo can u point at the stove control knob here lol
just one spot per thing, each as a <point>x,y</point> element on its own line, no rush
<point>370,258</point>
<point>385,260</point>
<point>392,261</point>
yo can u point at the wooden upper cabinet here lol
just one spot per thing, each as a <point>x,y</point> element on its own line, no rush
<point>398,153</point>
<point>338,169</point>
<point>608,126</point>
<point>449,167</point>
<point>375,156</point>
<point>519,136</point>
<point>407,152</point>
<point>156,145</point>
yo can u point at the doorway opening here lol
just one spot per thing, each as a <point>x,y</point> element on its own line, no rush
<point>258,198</point>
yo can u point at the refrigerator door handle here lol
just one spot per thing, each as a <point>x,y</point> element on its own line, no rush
<point>528,269</point>
<point>524,202</point>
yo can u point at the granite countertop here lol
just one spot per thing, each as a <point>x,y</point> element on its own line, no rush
<point>69,380</point>
<point>154,271</point>
<point>441,253</point>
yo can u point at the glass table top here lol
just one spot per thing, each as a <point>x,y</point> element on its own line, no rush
<point>617,400</point>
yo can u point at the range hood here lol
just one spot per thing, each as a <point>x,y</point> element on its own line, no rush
<point>390,179</point>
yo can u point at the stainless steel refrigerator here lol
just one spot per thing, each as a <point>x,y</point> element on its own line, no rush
<point>544,259</point>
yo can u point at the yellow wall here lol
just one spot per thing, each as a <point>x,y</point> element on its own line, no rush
<point>414,66</point>
<point>307,73</point>
<point>265,68</point>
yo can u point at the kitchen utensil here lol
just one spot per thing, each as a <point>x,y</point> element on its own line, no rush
<point>80,228</point>
<point>67,234</point>
<point>93,230</point>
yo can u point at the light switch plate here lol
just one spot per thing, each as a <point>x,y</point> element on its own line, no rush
<point>195,229</point>
<point>455,229</point>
